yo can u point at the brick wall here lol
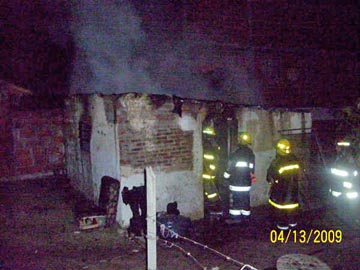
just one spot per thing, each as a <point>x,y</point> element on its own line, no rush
<point>5,137</point>
<point>151,136</point>
<point>38,141</point>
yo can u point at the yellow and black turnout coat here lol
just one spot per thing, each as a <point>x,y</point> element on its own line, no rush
<point>284,175</point>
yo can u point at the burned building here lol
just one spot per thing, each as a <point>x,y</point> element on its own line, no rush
<point>134,62</point>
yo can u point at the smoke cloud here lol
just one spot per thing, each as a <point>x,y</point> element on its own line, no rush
<point>107,37</point>
<point>116,55</point>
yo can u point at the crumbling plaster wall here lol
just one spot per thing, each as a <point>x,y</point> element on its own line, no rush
<point>148,132</point>
<point>264,126</point>
<point>139,135</point>
<point>151,134</point>
<point>74,163</point>
<point>104,148</point>
<point>86,168</point>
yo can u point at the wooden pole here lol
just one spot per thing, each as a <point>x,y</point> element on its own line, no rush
<point>151,218</point>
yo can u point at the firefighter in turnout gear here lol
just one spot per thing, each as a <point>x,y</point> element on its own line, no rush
<point>283,176</point>
<point>211,149</point>
<point>239,176</point>
<point>344,174</point>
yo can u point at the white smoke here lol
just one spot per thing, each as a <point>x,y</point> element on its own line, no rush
<point>107,37</point>
<point>115,55</point>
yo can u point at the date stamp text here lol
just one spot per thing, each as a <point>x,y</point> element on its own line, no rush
<point>306,236</point>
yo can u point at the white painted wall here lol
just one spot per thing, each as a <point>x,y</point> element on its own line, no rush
<point>185,187</point>
<point>104,148</point>
<point>181,186</point>
<point>263,127</point>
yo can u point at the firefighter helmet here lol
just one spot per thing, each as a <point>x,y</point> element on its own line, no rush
<point>283,147</point>
<point>209,130</point>
<point>244,138</point>
<point>344,149</point>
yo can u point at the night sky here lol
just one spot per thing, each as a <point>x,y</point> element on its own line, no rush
<point>38,46</point>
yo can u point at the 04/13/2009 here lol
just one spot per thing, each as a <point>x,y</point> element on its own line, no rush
<point>306,236</point>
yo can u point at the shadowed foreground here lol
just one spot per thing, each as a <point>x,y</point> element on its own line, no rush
<point>38,231</point>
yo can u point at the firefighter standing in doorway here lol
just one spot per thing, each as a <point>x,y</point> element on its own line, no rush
<point>283,176</point>
<point>213,207</point>
<point>239,176</point>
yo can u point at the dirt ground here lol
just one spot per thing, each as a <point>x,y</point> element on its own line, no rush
<point>38,231</point>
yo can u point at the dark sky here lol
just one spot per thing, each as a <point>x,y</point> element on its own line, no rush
<point>38,51</point>
<point>36,46</point>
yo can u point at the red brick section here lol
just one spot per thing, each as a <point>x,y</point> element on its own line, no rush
<point>5,137</point>
<point>166,146</point>
<point>38,141</point>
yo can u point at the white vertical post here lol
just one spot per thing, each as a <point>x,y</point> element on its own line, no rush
<point>151,218</point>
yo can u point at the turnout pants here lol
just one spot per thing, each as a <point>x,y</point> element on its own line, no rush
<point>285,218</point>
<point>239,201</point>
